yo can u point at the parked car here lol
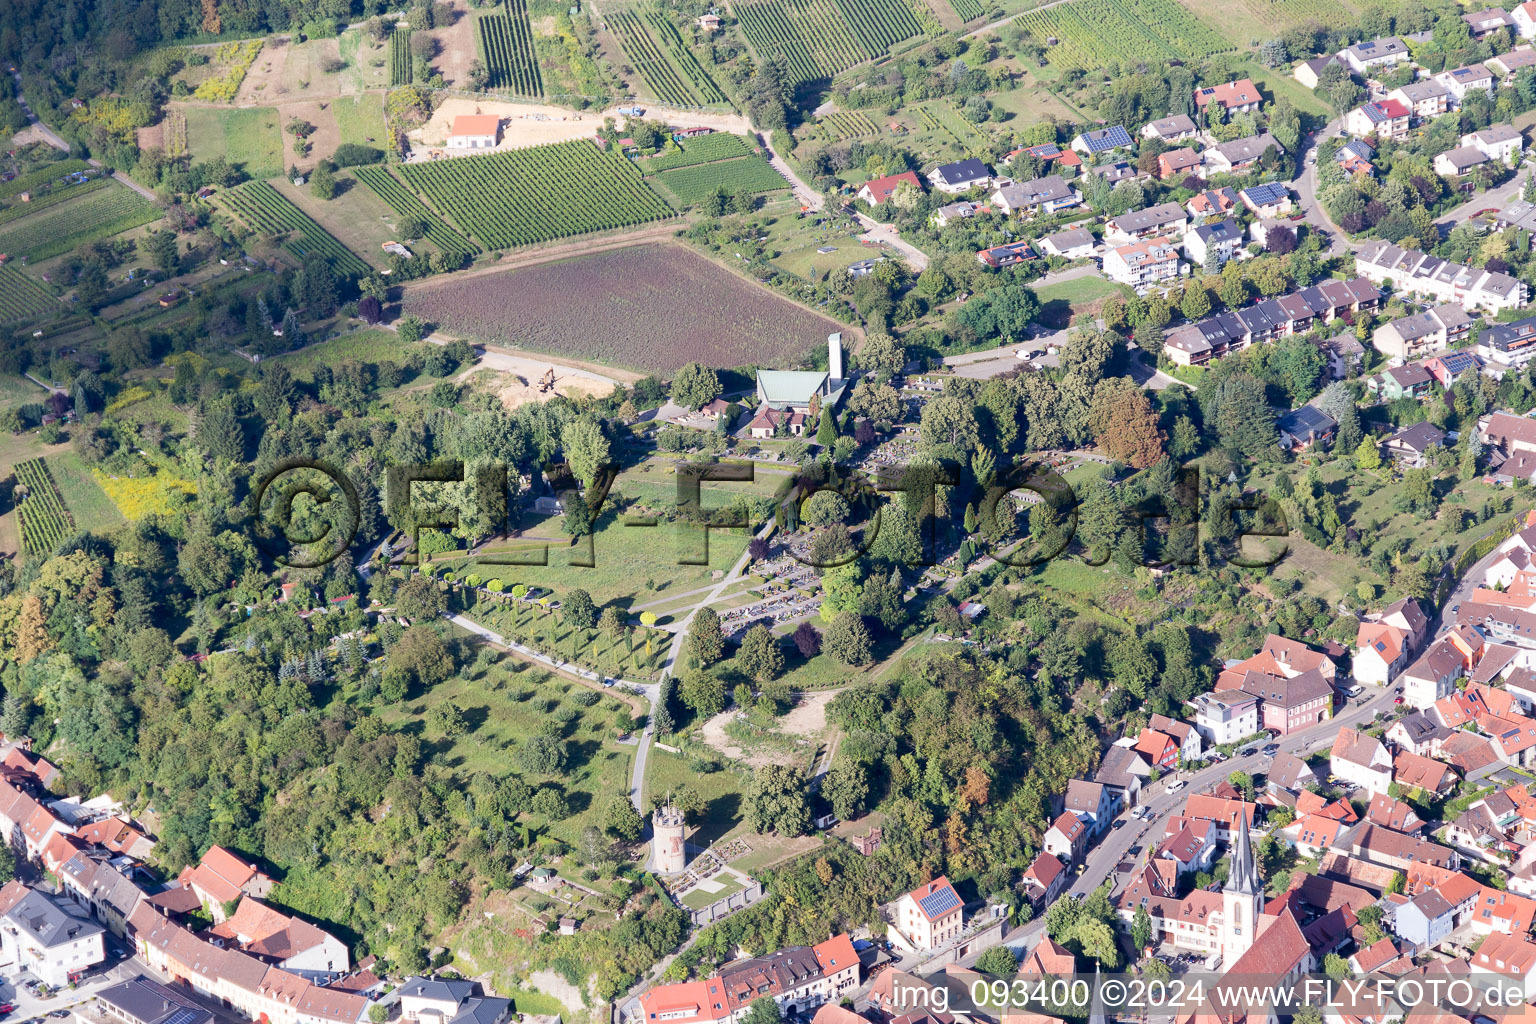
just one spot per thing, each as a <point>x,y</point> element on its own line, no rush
<point>1134,850</point>
<point>1119,823</point>
<point>1249,752</point>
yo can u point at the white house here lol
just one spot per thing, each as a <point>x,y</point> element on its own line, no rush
<point>961,176</point>
<point>52,939</point>
<point>1461,81</point>
<point>930,915</point>
<point>1374,55</point>
<point>292,943</point>
<point>1072,244</point>
<point>474,131</point>
<point>1362,760</point>
<point>1223,239</point>
<point>1226,716</point>
<point>1143,265</point>
<point>1501,142</point>
<point>1524,17</point>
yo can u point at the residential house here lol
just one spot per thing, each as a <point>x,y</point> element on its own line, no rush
<point>1412,447</point>
<point>1512,956</point>
<point>1383,119</point>
<point>1218,241</point>
<point>1311,834</point>
<point>1374,55</point>
<point>797,978</point>
<point>1507,432</point>
<point>1044,879</point>
<point>1486,22</point>
<point>1511,63</point>
<point>1067,837</point>
<point>1166,219</point>
<point>139,1000</point>
<point>1240,155</point>
<point>1307,71</point>
<point>1008,255</point>
<point>1427,98</point>
<point>1454,163</point>
<point>1290,773</point>
<point>1237,97</point>
<point>930,915</point>
<point>1176,163</point>
<point>961,176</point>
<point>1188,737</point>
<point>1431,677</point>
<point>1047,195</point>
<point>47,936</point>
<point>287,942</point>
<point>1302,428</point>
<point>768,422</point>
<point>1103,140</point>
<point>1343,351</point>
<point>1214,202</point>
<point>1410,381</point>
<point>221,878</point>
<point>1413,771</point>
<point>1173,128</point>
<point>1144,264</point>
<point>1160,749</point>
<point>1072,244</point>
<point>1513,738</point>
<point>878,190</point>
<point>1227,815</point>
<point>1361,760</point>
<point>1355,158</point>
<point>1507,346</point>
<point>1269,200</point>
<point>1426,920</point>
<point>1390,813</point>
<point>1226,716</point>
<point>1288,704</point>
<point>1383,646</point>
<point>1411,271</point>
<point>1461,81</point>
<point>1094,804</point>
<point>1117,171</point>
<point>1502,143</point>
<point>1524,17</point>
<point>952,213</point>
<point>1449,367</point>
<point>1048,153</point>
<point>1394,850</point>
<point>1418,334</point>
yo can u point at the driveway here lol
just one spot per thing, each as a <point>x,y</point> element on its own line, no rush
<point>1495,198</point>
<point>884,234</point>
<point>1306,190</point>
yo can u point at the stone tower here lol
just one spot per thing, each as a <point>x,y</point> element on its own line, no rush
<point>1242,898</point>
<point>668,853</point>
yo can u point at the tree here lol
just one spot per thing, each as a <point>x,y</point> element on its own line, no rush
<point>760,657</point>
<point>695,386</point>
<point>846,787</point>
<point>998,961</point>
<point>882,352</point>
<point>421,653</point>
<point>160,247</point>
<point>550,803</point>
<point>1141,929</point>
<point>322,182</point>
<point>542,754</point>
<point>623,820</point>
<point>1196,303</point>
<point>578,609</point>
<point>661,716</point>
<point>847,639</point>
<point>446,719</point>
<point>763,1011</point>
<point>1130,432</point>
<point>807,640</point>
<point>706,641</point>
<point>410,329</point>
<point>824,508</point>
<point>826,433</point>
<point>1367,455</point>
<point>419,598</point>
<point>1336,967</point>
<point>777,801</point>
<point>586,448</point>
<point>704,693</point>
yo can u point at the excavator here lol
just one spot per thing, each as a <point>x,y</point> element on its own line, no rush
<point>547,382</point>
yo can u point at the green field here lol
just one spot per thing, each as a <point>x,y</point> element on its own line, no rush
<point>693,185</point>
<point>404,202</point>
<point>22,298</point>
<point>87,502</point>
<point>655,49</point>
<point>250,138</point>
<point>91,215</point>
<point>268,212</point>
<point>360,119</point>
<point>821,38</point>
<point>523,196</point>
<point>371,346</point>
<point>702,150</point>
<point>1093,33</point>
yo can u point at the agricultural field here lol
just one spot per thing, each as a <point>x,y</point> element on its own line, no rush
<point>360,119</point>
<point>88,504</point>
<point>173,133</point>
<point>400,57</point>
<point>968,10</point>
<point>821,38</point>
<point>45,521</point>
<point>248,137</point>
<point>840,126</point>
<point>637,307</point>
<point>93,214</point>
<point>230,62</point>
<point>1093,33</point>
<point>22,298</point>
<point>400,199</point>
<point>42,177</point>
<point>504,41</point>
<point>657,52</point>
<point>692,185</point>
<point>941,116</point>
<point>702,150</point>
<point>268,212</point>
<point>524,196</point>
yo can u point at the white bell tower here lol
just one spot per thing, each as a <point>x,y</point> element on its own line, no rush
<point>1242,899</point>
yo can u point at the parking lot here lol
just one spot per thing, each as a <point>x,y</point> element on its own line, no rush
<point>30,1002</point>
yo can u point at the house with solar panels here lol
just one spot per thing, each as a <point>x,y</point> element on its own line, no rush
<point>928,916</point>
<point>1103,140</point>
<point>1269,200</point>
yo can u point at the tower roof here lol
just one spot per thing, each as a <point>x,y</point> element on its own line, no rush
<point>1243,877</point>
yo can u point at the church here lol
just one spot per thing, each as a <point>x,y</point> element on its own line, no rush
<point>1252,938</point>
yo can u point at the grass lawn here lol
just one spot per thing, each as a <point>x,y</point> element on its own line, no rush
<point>16,391</point>
<point>637,658</point>
<point>1031,102</point>
<point>358,218</point>
<point>510,701</point>
<point>723,792</point>
<point>360,119</point>
<point>87,502</point>
<point>805,261</point>
<point>367,346</point>
<point>249,137</point>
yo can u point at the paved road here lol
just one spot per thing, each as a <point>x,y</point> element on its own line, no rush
<point>886,235</point>
<point>1495,198</point>
<point>1306,190</point>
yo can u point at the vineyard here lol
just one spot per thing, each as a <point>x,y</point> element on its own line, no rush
<point>821,38</point>
<point>968,10</point>
<point>33,180</point>
<point>657,51</point>
<point>943,116</point>
<point>533,195</point>
<point>45,522</point>
<point>1093,33</point>
<point>693,185</point>
<point>403,202</point>
<point>173,136</point>
<point>1286,13</point>
<point>505,44</point>
<point>88,215</point>
<point>841,126</point>
<point>400,57</point>
<point>268,212</point>
<point>702,150</point>
<point>54,198</point>
<point>22,298</point>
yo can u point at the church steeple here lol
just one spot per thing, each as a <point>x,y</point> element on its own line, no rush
<point>1243,876</point>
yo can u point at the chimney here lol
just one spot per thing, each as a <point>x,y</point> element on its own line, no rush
<point>835,356</point>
